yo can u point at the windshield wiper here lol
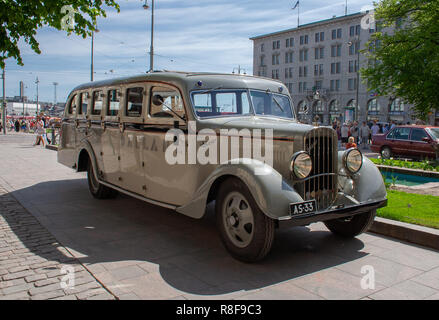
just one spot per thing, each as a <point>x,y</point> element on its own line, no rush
<point>175,113</point>
<point>210,90</point>
<point>278,104</point>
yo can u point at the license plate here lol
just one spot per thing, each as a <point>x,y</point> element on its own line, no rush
<point>303,208</point>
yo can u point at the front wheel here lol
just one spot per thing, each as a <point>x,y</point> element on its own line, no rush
<point>386,153</point>
<point>353,226</point>
<point>98,190</point>
<point>246,232</point>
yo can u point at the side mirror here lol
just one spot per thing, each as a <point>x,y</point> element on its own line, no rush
<point>426,139</point>
<point>157,100</point>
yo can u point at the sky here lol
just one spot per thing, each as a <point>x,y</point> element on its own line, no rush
<point>190,35</point>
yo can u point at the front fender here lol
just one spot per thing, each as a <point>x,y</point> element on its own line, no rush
<point>271,193</point>
<point>364,186</point>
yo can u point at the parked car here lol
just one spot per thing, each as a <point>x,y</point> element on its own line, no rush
<point>121,131</point>
<point>413,141</point>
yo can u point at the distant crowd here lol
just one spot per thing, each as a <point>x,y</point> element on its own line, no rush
<point>36,125</point>
<point>353,135</point>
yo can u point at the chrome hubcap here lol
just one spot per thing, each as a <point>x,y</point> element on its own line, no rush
<point>238,219</point>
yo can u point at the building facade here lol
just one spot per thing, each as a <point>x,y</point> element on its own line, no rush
<point>319,62</point>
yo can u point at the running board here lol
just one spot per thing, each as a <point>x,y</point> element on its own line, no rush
<point>137,196</point>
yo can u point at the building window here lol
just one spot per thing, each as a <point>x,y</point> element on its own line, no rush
<point>318,106</point>
<point>352,84</point>
<point>290,72</point>
<point>353,66</point>
<point>276,44</point>
<point>262,47</point>
<point>334,106</point>
<point>335,68</point>
<point>318,84</point>
<point>275,59</point>
<point>357,30</point>
<point>275,74</point>
<point>316,69</point>
<point>336,50</point>
<point>334,34</point>
<point>339,33</point>
<point>288,57</point>
<point>354,48</point>
<point>302,108</point>
<point>304,39</point>
<point>289,43</point>
<point>373,106</point>
<point>397,105</point>
<point>352,31</point>
<point>262,61</point>
<point>303,55</point>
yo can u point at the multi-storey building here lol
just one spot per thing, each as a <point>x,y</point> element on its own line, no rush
<point>319,62</point>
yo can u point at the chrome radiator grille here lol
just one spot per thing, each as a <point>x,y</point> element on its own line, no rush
<point>321,185</point>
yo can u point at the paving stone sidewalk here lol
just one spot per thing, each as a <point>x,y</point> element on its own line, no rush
<point>33,265</point>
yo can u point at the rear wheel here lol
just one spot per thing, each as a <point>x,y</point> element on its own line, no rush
<point>353,226</point>
<point>246,232</point>
<point>98,190</point>
<point>386,153</point>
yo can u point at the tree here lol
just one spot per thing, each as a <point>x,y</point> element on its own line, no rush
<point>404,62</point>
<point>20,20</point>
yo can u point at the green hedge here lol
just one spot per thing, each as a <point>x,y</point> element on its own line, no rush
<point>422,165</point>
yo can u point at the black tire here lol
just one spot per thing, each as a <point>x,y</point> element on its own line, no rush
<point>262,227</point>
<point>353,226</point>
<point>386,152</point>
<point>98,190</point>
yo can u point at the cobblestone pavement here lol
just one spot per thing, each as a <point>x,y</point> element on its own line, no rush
<point>32,261</point>
<point>140,251</point>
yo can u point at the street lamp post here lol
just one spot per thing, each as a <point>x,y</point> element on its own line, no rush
<point>92,48</point>
<point>151,53</point>
<point>54,85</point>
<point>357,46</point>
<point>4,102</point>
<point>37,82</point>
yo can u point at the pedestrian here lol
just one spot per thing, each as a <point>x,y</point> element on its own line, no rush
<point>355,131</point>
<point>40,131</point>
<point>351,143</point>
<point>375,129</point>
<point>364,134</point>
<point>344,134</point>
<point>17,125</point>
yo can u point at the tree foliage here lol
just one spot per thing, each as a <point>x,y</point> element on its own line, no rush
<point>404,53</point>
<point>20,20</point>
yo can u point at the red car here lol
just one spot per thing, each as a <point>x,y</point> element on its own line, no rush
<point>408,140</point>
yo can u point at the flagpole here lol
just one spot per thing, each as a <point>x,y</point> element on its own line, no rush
<point>298,14</point>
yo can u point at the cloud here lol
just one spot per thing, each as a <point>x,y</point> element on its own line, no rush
<point>192,35</point>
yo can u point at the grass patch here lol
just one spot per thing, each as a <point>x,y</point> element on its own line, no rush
<point>411,208</point>
<point>422,165</point>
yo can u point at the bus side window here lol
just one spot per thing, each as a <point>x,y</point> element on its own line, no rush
<point>96,107</point>
<point>134,102</point>
<point>113,102</point>
<point>72,106</point>
<point>84,103</point>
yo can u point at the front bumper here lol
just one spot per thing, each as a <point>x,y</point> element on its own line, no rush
<point>337,212</point>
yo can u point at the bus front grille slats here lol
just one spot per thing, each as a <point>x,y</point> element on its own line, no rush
<point>321,144</point>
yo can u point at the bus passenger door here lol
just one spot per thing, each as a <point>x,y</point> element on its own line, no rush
<point>132,140</point>
<point>67,147</point>
<point>110,138</point>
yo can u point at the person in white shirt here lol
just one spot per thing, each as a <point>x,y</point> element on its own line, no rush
<point>375,129</point>
<point>364,133</point>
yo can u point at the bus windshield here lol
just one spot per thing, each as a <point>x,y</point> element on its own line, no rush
<point>222,103</point>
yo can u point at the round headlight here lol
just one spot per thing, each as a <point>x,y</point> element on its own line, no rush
<point>353,160</point>
<point>301,165</point>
